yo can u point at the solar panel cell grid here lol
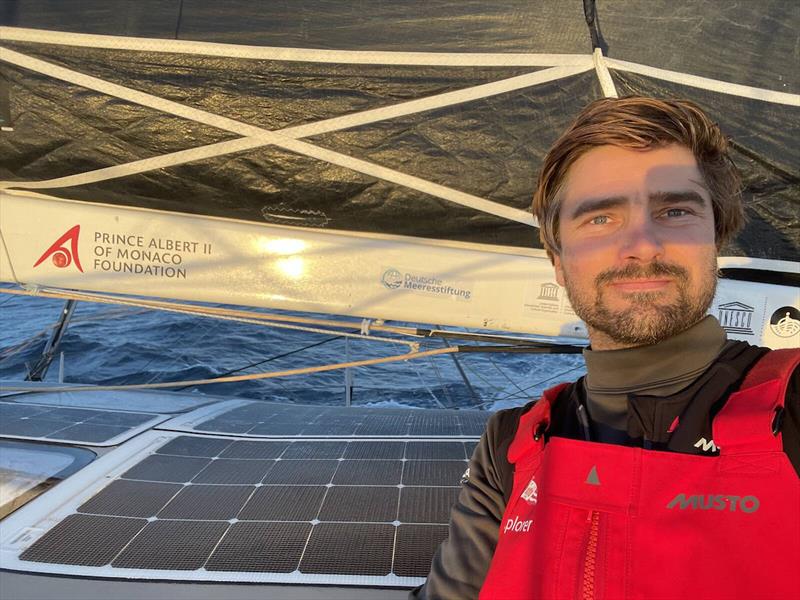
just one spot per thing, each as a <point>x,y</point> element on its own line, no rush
<point>86,540</point>
<point>414,547</point>
<point>362,504</point>
<point>302,450</point>
<point>320,507</point>
<point>375,450</point>
<point>130,499</point>
<point>440,450</point>
<point>68,424</point>
<point>194,446</point>
<point>172,545</point>
<point>244,449</point>
<point>433,472</point>
<point>349,549</point>
<point>426,504</point>
<point>263,419</point>
<point>88,432</point>
<point>167,468</point>
<point>264,547</point>
<point>207,502</point>
<point>369,472</point>
<point>234,471</point>
<point>302,472</point>
<point>278,503</point>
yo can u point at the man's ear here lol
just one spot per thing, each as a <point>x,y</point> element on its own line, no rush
<point>558,269</point>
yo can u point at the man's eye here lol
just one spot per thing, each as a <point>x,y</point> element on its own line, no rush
<point>676,212</point>
<point>599,220</point>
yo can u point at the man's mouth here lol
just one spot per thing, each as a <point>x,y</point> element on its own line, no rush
<point>640,285</point>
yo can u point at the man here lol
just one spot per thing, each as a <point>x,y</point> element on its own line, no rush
<point>671,469</point>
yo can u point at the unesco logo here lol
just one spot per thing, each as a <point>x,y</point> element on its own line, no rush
<point>392,279</point>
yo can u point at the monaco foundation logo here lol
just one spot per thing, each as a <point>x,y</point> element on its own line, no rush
<point>61,255</point>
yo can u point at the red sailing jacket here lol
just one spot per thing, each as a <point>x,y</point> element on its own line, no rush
<point>590,520</point>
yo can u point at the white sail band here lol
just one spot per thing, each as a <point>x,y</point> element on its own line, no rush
<point>456,59</point>
<point>714,85</point>
<point>287,138</point>
<point>352,57</point>
<point>603,76</point>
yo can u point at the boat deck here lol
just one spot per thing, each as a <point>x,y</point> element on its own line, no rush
<point>239,493</point>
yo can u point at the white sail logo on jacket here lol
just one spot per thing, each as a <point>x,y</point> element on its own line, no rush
<point>531,493</point>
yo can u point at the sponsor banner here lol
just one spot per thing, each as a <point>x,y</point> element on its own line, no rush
<point>95,247</point>
<point>124,250</point>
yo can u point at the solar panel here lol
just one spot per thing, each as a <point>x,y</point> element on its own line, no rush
<point>305,508</point>
<point>263,419</point>
<point>133,400</point>
<point>71,425</point>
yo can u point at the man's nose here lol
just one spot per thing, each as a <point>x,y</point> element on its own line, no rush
<point>641,241</point>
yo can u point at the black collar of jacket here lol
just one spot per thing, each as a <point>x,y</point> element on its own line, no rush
<point>650,417</point>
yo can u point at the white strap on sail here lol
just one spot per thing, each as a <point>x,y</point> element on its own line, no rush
<point>456,59</point>
<point>606,82</point>
<point>714,85</point>
<point>287,138</point>
<point>352,57</point>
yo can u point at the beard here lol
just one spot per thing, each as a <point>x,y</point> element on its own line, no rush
<point>649,317</point>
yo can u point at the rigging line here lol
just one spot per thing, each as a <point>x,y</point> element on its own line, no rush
<point>208,311</point>
<point>494,388</point>
<point>425,385</point>
<point>8,255</point>
<point>280,140</point>
<point>460,370</point>
<point>11,351</point>
<point>271,358</point>
<point>538,383</point>
<point>714,85</point>
<point>503,373</point>
<point>314,55</point>
<point>181,356</point>
<point>442,384</point>
<point>254,376</point>
<point>221,314</point>
<point>178,21</point>
<point>211,312</point>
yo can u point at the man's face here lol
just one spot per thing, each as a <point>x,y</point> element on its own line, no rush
<point>638,255</point>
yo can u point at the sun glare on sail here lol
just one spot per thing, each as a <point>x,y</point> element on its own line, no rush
<point>282,246</point>
<point>291,266</point>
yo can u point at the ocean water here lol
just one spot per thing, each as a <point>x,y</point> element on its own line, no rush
<point>112,345</point>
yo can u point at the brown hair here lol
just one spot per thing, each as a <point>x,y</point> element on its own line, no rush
<point>642,123</point>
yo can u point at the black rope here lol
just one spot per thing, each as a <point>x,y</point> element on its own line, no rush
<point>590,12</point>
<point>523,349</point>
<point>178,22</point>
<point>477,337</point>
<point>270,359</point>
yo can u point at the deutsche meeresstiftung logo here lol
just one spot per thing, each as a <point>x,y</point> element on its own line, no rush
<point>392,279</point>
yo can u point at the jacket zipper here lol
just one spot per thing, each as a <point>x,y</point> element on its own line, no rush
<point>587,589</point>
